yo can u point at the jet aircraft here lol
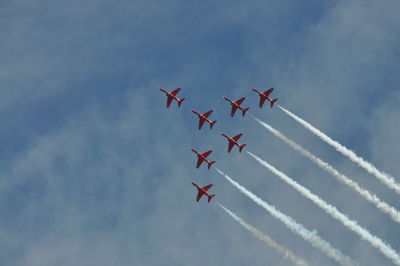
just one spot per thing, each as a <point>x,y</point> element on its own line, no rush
<point>204,118</point>
<point>233,142</point>
<point>203,191</point>
<point>265,96</point>
<point>236,105</point>
<point>201,157</point>
<point>171,95</point>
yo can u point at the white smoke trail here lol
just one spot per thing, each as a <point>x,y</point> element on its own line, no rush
<point>286,254</point>
<point>376,242</point>
<point>381,205</point>
<point>295,227</point>
<point>383,177</point>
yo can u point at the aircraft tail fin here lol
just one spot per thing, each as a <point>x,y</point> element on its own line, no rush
<point>245,110</point>
<point>210,164</point>
<point>241,147</point>
<point>210,197</point>
<point>273,101</point>
<point>180,102</point>
<point>213,123</point>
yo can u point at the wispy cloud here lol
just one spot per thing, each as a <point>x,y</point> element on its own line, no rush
<point>95,169</point>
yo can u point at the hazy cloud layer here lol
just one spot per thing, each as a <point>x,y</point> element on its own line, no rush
<point>96,171</point>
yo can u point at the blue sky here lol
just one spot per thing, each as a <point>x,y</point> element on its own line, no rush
<point>96,171</point>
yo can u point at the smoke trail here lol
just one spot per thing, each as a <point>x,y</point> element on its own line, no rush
<point>295,227</point>
<point>383,177</point>
<point>381,205</point>
<point>376,242</point>
<point>287,254</point>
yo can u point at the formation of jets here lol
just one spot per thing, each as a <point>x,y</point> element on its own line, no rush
<point>232,141</point>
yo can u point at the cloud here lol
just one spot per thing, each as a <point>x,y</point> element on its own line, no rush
<point>91,158</point>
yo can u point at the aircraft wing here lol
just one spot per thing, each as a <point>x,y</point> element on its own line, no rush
<point>233,111</point>
<point>230,146</point>
<point>262,100</point>
<point>205,188</point>
<point>169,101</point>
<point>199,195</point>
<point>240,100</point>
<point>175,92</point>
<point>201,122</point>
<point>268,92</point>
<point>199,162</point>
<point>237,137</point>
<point>205,154</point>
<point>208,113</point>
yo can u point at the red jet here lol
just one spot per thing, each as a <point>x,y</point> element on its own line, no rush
<point>236,105</point>
<point>203,157</point>
<point>204,118</point>
<point>265,96</point>
<point>172,96</point>
<point>233,142</point>
<point>203,191</point>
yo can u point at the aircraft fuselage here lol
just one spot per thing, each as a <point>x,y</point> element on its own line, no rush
<point>230,139</point>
